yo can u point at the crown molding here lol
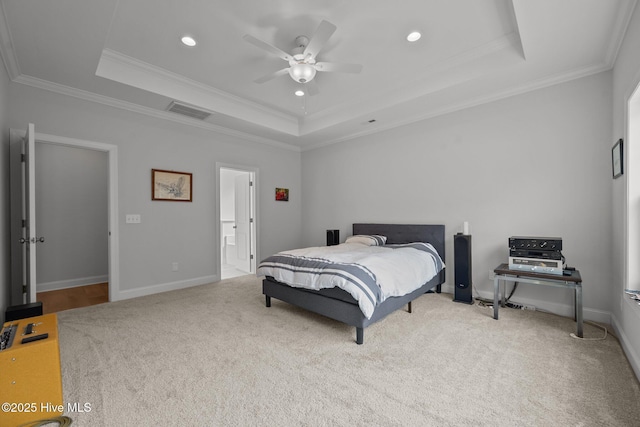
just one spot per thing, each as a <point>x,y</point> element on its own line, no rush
<point>487,99</point>
<point>164,115</point>
<point>130,71</point>
<point>112,102</point>
<point>622,21</point>
<point>445,74</point>
<point>7,51</point>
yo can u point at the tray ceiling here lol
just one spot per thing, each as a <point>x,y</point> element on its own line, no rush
<point>128,54</point>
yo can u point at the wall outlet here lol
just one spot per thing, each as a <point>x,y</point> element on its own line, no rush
<point>133,219</point>
<point>174,266</point>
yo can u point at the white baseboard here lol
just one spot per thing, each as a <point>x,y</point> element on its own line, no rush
<point>163,287</point>
<point>71,283</point>
<point>632,356</point>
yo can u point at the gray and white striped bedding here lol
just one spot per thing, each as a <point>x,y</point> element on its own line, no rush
<point>370,274</point>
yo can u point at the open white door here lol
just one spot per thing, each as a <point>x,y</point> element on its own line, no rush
<point>243,221</point>
<point>23,217</point>
<point>30,212</point>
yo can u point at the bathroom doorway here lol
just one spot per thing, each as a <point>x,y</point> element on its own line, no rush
<point>237,221</point>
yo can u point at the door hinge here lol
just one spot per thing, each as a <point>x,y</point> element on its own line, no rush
<point>24,223</point>
<point>250,220</point>
<point>24,289</point>
<point>251,256</point>
<point>250,183</point>
<point>23,158</point>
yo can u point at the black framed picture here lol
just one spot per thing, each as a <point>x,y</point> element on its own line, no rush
<point>171,185</point>
<point>617,160</point>
<point>282,194</point>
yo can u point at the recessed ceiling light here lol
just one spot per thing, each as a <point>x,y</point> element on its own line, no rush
<point>188,41</point>
<point>414,36</point>
<point>299,92</point>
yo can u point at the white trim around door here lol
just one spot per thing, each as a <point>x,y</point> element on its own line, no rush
<point>112,152</point>
<point>255,214</point>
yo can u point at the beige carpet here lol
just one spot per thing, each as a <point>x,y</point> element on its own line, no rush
<point>214,355</point>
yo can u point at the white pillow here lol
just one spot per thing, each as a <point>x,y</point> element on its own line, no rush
<point>374,240</point>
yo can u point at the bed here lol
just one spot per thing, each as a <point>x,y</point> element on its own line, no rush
<point>340,305</point>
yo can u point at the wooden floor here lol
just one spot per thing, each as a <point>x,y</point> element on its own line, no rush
<point>81,296</point>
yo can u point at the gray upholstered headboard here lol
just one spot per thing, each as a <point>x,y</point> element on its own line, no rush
<point>406,233</point>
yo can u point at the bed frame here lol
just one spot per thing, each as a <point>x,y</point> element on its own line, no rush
<point>340,305</point>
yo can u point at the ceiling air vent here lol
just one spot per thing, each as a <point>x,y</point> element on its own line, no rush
<point>187,110</point>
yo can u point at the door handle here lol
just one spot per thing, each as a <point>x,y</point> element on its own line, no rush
<point>22,240</point>
<point>37,239</point>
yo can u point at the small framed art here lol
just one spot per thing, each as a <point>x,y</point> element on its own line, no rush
<point>171,185</point>
<point>282,194</point>
<point>617,159</point>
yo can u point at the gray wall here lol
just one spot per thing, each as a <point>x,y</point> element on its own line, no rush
<point>5,271</point>
<point>626,77</point>
<point>170,231</point>
<point>535,164</point>
<point>71,214</point>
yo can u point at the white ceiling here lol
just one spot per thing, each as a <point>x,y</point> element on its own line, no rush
<point>128,54</point>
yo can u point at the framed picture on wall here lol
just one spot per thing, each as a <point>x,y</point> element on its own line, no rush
<point>617,162</point>
<point>282,194</point>
<point>171,185</point>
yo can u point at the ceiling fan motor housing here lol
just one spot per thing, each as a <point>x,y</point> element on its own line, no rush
<point>302,67</point>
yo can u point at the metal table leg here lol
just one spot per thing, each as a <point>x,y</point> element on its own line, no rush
<point>496,295</point>
<point>539,279</point>
<point>579,309</point>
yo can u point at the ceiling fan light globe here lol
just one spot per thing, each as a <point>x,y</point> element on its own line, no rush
<point>302,73</point>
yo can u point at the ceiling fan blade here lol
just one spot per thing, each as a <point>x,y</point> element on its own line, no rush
<point>266,46</point>
<point>272,75</point>
<point>338,68</point>
<point>312,87</point>
<point>319,38</point>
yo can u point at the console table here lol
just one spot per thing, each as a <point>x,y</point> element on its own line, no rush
<point>574,281</point>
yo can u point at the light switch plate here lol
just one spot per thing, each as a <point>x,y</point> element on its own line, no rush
<point>133,219</point>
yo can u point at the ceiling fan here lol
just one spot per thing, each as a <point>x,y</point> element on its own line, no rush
<point>302,60</point>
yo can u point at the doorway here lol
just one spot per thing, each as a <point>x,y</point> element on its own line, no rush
<point>64,154</point>
<point>72,214</point>
<point>237,220</point>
